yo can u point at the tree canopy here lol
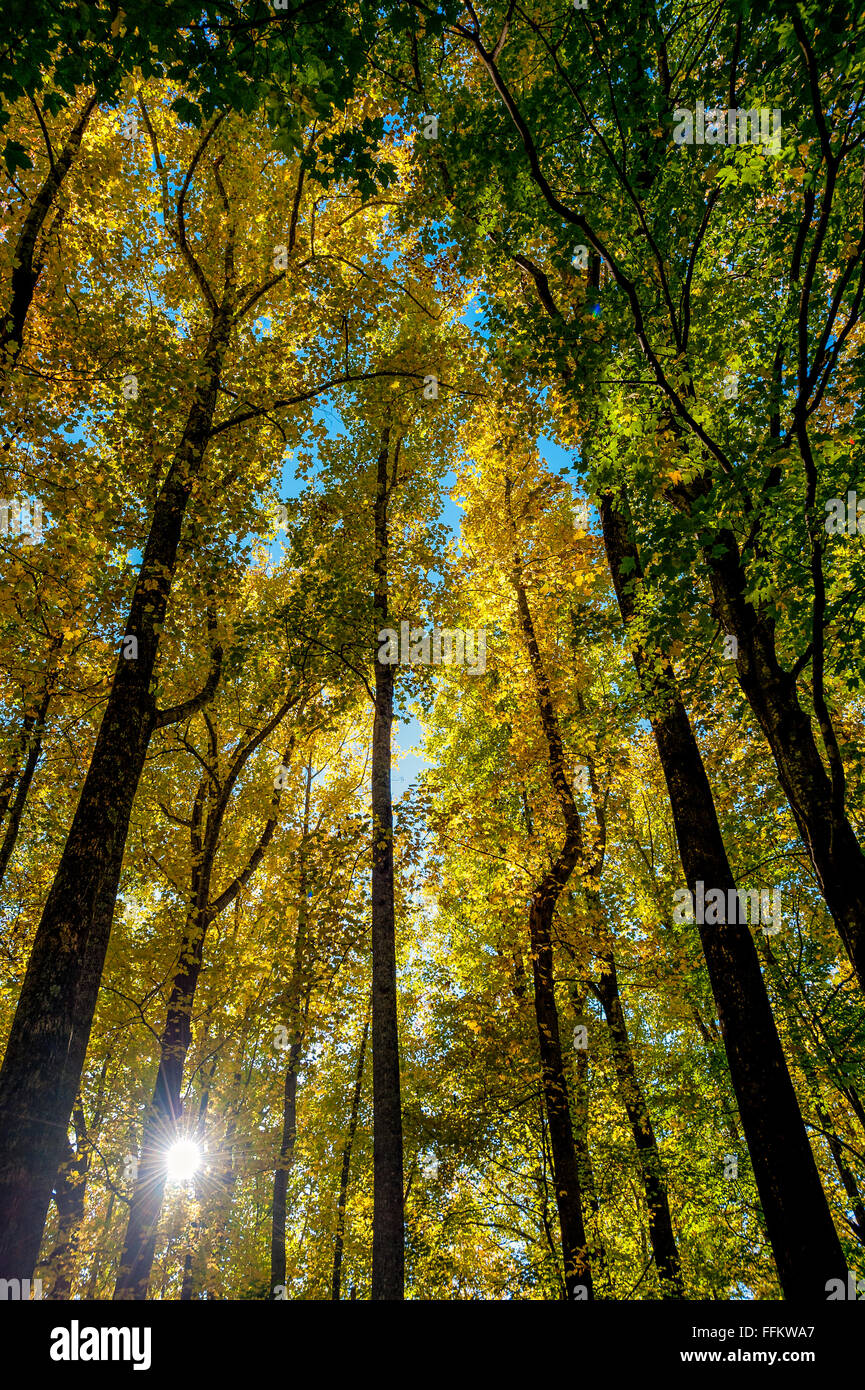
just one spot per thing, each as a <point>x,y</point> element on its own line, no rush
<point>432,691</point>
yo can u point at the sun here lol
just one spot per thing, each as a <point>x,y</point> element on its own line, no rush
<point>183,1160</point>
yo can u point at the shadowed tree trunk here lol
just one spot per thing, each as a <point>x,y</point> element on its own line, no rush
<point>585,1168</point>
<point>26,270</point>
<point>661,1234</point>
<point>69,1191</point>
<point>816,797</point>
<point>30,743</point>
<point>342,1200</point>
<point>162,1125</point>
<point>388,1222</point>
<point>48,1040</point>
<point>805,1047</point>
<point>606,988</point>
<point>297,1006</point>
<point>544,900</point>
<point>801,1232</point>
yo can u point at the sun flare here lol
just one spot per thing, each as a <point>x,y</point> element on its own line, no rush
<point>183,1160</point>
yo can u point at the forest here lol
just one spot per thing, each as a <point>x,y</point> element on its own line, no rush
<point>432,671</point>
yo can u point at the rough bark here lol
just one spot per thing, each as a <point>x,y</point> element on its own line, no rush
<point>800,1228</point>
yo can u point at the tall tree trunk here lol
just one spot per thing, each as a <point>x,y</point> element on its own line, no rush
<point>161,1126</point>
<point>801,1232</point>
<point>661,1233</point>
<point>47,1044</point>
<point>575,1255</point>
<point>388,1221</point>
<point>342,1200</point>
<point>585,1167</point>
<point>815,798</point>
<point>545,898</point>
<point>298,996</point>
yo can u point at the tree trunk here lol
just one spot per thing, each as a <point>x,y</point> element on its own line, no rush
<point>298,997</point>
<point>388,1222</point>
<point>803,1044</point>
<point>817,806</point>
<point>48,1041</point>
<point>654,1181</point>
<point>575,1255</point>
<point>801,1232</point>
<point>24,273</point>
<point>585,1168</point>
<point>69,1193</point>
<point>575,1252</point>
<point>162,1125</point>
<point>342,1201</point>
<point>33,731</point>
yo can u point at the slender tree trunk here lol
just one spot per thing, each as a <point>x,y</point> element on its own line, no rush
<point>69,1199</point>
<point>566,1176</point>
<point>575,1256</point>
<point>798,1033</point>
<point>801,1232</point>
<point>33,732</point>
<point>661,1233</point>
<point>298,996</point>
<point>845,1172</point>
<point>25,274</point>
<point>342,1200</point>
<point>585,1167</point>
<point>161,1127</point>
<point>817,805</point>
<point>286,1158</point>
<point>388,1222</point>
<point>48,1041</point>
